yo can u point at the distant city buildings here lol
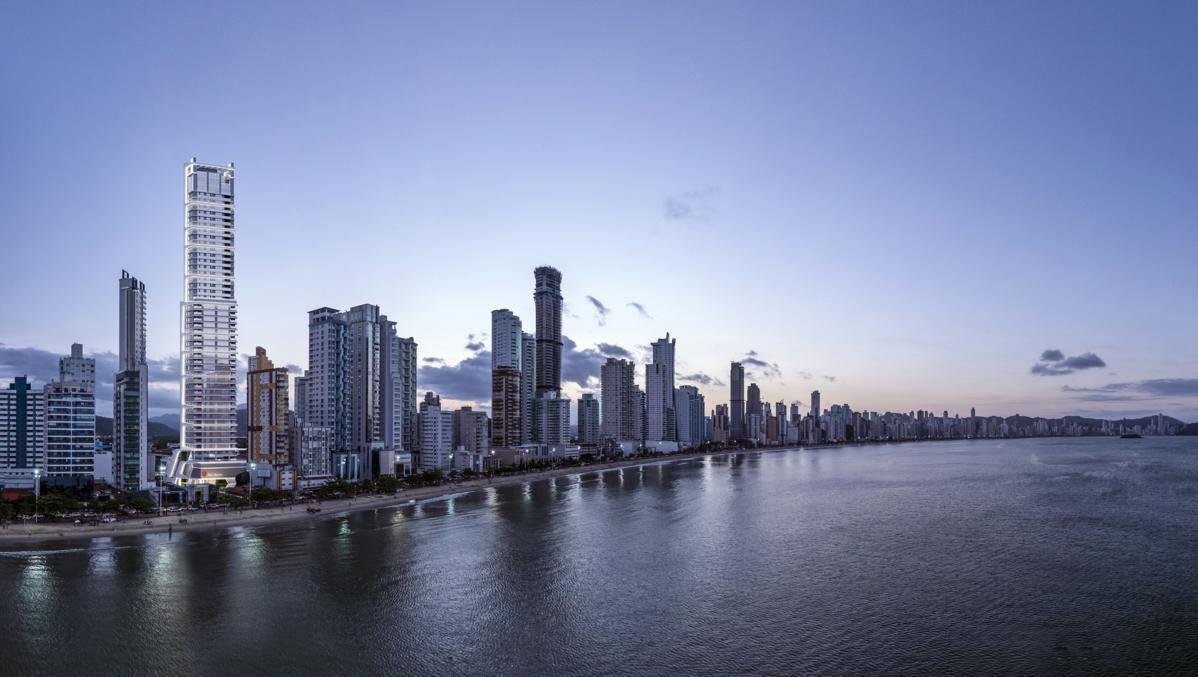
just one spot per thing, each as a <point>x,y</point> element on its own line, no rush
<point>689,407</point>
<point>736,399</point>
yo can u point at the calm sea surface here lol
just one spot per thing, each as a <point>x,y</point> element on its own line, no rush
<point>1018,557</point>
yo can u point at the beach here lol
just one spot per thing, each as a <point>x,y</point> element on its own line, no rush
<point>199,520</point>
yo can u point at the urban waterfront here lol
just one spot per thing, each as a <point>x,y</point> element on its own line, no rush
<point>1015,556</point>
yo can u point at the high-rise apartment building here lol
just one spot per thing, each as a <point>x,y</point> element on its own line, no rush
<point>327,376</point>
<point>22,426</point>
<point>754,407</point>
<point>548,299</point>
<point>528,384</point>
<point>507,351</point>
<point>470,431</point>
<point>507,412</point>
<point>588,420</point>
<point>506,339</point>
<point>689,410</point>
<point>208,361</point>
<point>208,451</point>
<point>299,396</point>
<point>553,419</point>
<point>659,396</point>
<point>720,425</point>
<point>71,420</point>
<point>360,383</point>
<point>618,400</point>
<point>314,453</point>
<point>267,406</point>
<point>436,434</point>
<point>657,415</point>
<point>736,402</point>
<point>132,465</point>
<point>407,378</point>
<point>398,388</point>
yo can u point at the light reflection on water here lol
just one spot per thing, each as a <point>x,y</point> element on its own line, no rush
<point>1029,556</point>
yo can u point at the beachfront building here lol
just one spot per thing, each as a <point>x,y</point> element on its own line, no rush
<point>617,399</point>
<point>22,427</point>
<point>208,452</point>
<point>588,420</point>
<point>360,384</point>
<point>70,428</point>
<point>132,467</point>
<point>267,409</point>
<point>436,434</point>
<point>470,431</point>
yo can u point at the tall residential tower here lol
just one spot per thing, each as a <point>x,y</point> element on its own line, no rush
<point>548,299</point>
<point>208,330</point>
<point>130,399</point>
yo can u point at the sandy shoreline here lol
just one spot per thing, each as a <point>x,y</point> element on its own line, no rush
<point>199,521</point>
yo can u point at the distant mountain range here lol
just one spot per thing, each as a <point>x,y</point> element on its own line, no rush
<point>157,428</point>
<point>1143,421</point>
<point>167,425</point>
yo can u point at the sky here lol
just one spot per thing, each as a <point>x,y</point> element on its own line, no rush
<point>906,206</point>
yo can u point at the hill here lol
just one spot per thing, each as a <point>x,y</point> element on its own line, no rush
<point>157,430</point>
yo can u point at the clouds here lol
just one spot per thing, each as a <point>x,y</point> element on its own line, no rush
<point>41,366</point>
<point>692,205</point>
<point>700,378</point>
<point>1054,363</point>
<point>601,311</point>
<point>640,308</point>
<point>613,350</point>
<point>1135,391</point>
<point>583,366</point>
<point>759,368</point>
<point>468,380</point>
<point>474,344</point>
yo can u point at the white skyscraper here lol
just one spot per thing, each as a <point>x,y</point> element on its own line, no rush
<point>208,330</point>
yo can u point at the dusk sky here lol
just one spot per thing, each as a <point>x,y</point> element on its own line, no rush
<point>902,205</point>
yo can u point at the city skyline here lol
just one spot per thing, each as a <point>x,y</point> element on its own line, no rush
<point>1048,232</point>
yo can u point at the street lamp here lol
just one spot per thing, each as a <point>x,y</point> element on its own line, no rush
<point>253,470</point>
<point>161,471</point>
<point>37,491</point>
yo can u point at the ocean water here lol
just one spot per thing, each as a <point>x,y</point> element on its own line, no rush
<point>1047,556</point>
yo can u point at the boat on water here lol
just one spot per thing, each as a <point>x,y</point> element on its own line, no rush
<point>1129,436</point>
